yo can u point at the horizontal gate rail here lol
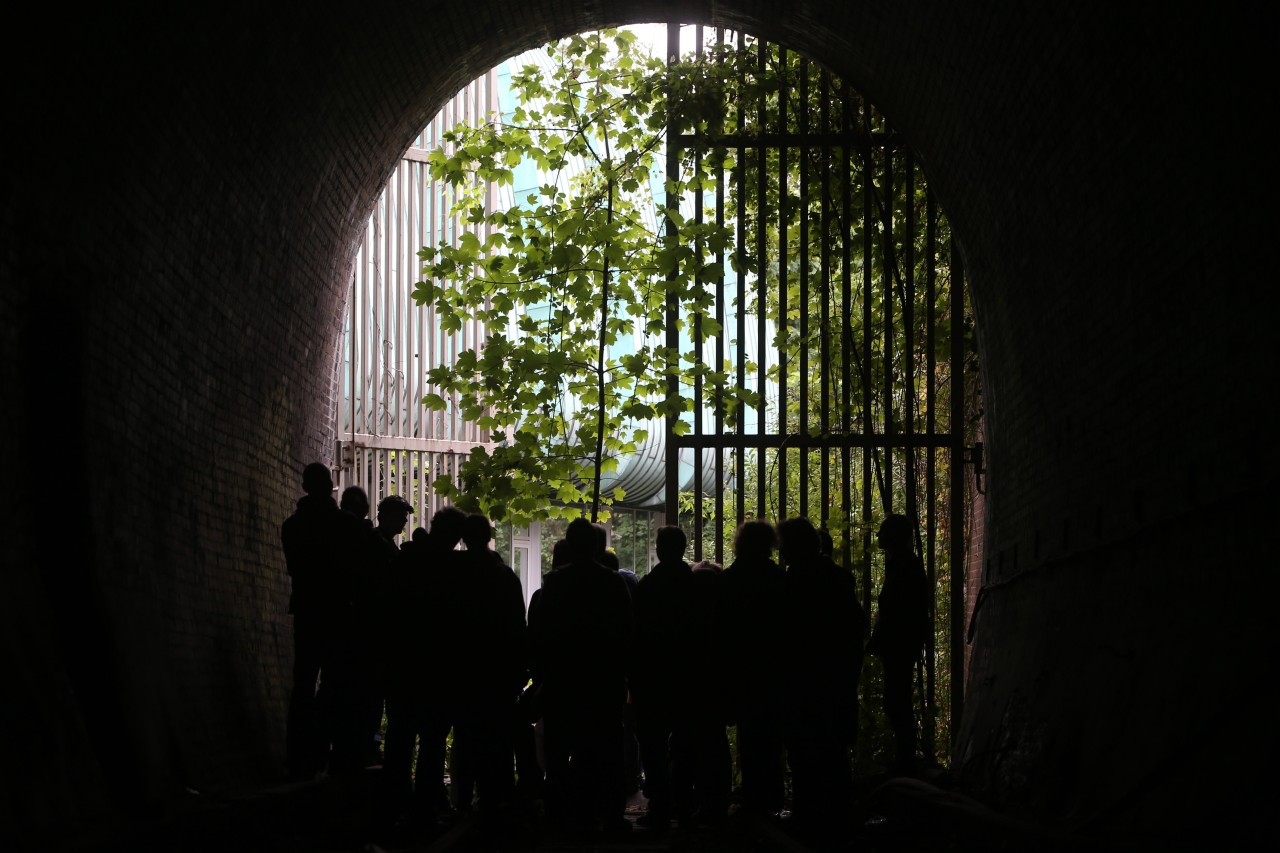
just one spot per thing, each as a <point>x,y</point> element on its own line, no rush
<point>831,440</point>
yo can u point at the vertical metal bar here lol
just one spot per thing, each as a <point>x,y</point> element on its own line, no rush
<point>784,255</point>
<point>908,329</point>
<point>672,503</point>
<point>698,346</point>
<point>720,352</point>
<point>416,239</point>
<point>930,483</point>
<point>888,260</point>
<point>454,431</point>
<point>420,367</point>
<point>802,426</point>
<point>434,201</point>
<point>353,353</point>
<point>846,310</point>
<point>402,313</point>
<point>762,284</point>
<point>868,409</point>
<point>824,370</point>
<point>387,332</point>
<point>740,250</point>
<point>955,532</point>
<point>909,417</point>
<point>931,321</point>
<point>375,332</point>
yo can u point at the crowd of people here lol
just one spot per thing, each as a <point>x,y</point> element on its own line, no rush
<point>434,633</point>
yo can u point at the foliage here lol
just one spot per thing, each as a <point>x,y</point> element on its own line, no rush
<point>573,283</point>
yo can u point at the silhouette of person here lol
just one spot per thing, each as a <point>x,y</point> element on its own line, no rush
<point>660,680</point>
<point>530,741</point>
<point>826,545</point>
<point>703,767</point>
<point>491,668</point>
<point>901,630</point>
<point>355,501</point>
<point>372,585</point>
<point>321,544</point>
<point>751,632</point>
<point>824,628</point>
<point>420,683</point>
<point>633,768</point>
<point>581,623</point>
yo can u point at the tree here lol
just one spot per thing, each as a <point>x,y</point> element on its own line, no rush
<point>566,280</point>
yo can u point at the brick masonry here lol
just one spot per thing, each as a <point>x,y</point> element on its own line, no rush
<point>182,197</point>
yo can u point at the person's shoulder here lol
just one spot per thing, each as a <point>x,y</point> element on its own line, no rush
<point>915,564</point>
<point>298,513</point>
<point>619,581</point>
<point>834,569</point>
<point>553,580</point>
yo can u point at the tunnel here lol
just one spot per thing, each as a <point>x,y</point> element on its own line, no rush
<point>184,192</point>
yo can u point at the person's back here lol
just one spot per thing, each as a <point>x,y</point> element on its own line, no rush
<point>703,652</point>
<point>902,608</point>
<point>320,544</point>
<point>702,792</point>
<point>751,620</point>
<point>900,632</point>
<point>824,659</point>
<point>661,672</point>
<point>751,639</point>
<point>662,616</point>
<point>420,618</point>
<point>321,547</point>
<point>824,627</point>
<point>490,669</point>
<point>582,621</point>
<point>493,643</point>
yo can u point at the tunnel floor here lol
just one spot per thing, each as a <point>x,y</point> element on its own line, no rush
<point>330,815</point>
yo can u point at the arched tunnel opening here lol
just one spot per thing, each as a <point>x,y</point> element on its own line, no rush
<point>180,237</point>
<point>853,297</point>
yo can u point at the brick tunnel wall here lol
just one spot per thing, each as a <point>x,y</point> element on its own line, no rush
<point>180,212</point>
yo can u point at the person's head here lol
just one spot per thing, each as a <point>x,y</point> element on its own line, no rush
<point>316,480</point>
<point>602,539</point>
<point>354,501</point>
<point>895,534</point>
<point>446,527</point>
<point>798,540</point>
<point>477,531</point>
<point>393,514</point>
<point>755,538</point>
<point>559,553</point>
<point>581,538</point>
<point>610,560</point>
<point>826,545</point>
<point>706,566</point>
<point>670,543</point>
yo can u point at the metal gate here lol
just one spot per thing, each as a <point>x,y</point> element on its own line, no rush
<point>845,310</point>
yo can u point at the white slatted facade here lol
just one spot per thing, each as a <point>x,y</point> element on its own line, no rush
<point>389,443</point>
